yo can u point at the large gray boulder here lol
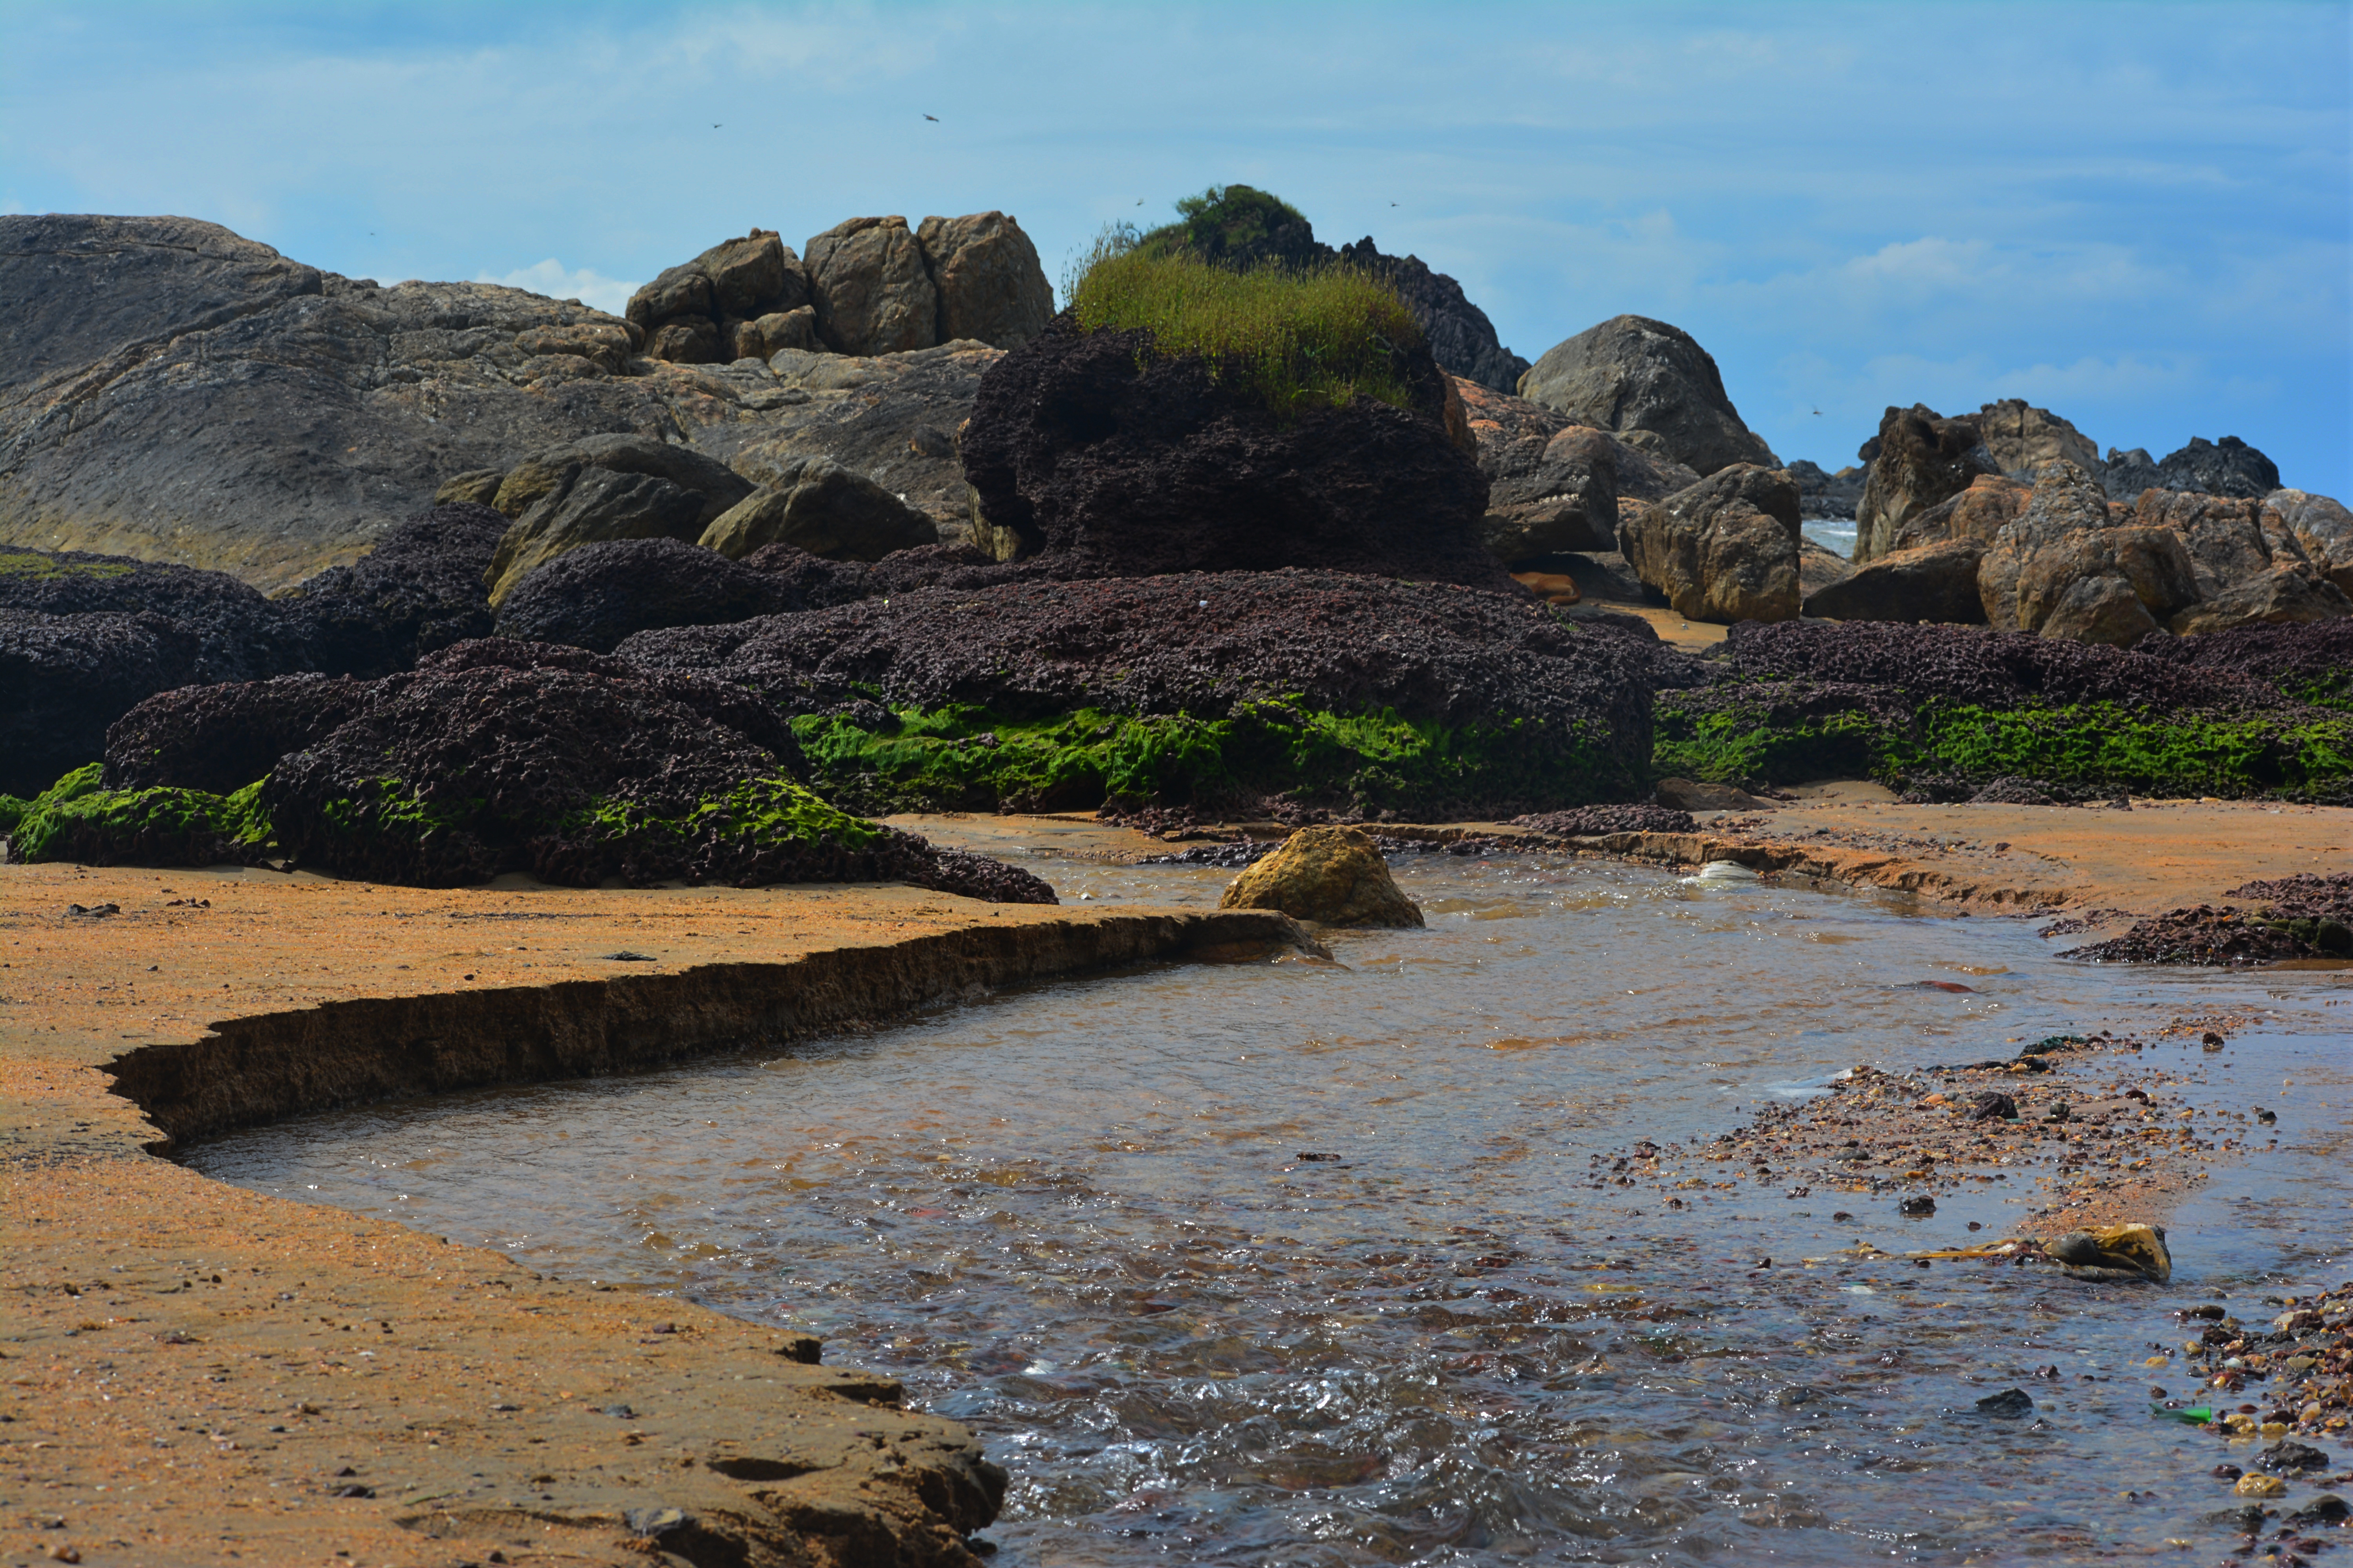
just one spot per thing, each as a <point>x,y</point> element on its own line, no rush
<point>815,504</point>
<point>872,291</point>
<point>991,288</point>
<point>1651,384</point>
<point>1555,485</point>
<point>1918,460</point>
<point>1725,550</point>
<point>171,391</point>
<point>588,506</point>
<point>725,304</point>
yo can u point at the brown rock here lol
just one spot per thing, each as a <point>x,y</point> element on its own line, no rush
<point>776,331</point>
<point>2280,597</point>
<point>2230,541</point>
<point>2023,438</point>
<point>1819,567</point>
<point>825,508</point>
<point>1551,587</point>
<point>689,340</point>
<point>676,291</point>
<point>991,288</point>
<point>2065,535</point>
<point>2099,608</point>
<point>1927,583</point>
<point>478,487</point>
<point>1332,875</point>
<point>2324,527</point>
<point>872,292</point>
<point>1725,550</point>
<point>1918,459</point>
<point>606,344</point>
<point>1991,502</point>
<point>749,276</point>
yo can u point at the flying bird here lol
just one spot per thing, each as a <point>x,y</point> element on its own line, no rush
<point>932,117</point>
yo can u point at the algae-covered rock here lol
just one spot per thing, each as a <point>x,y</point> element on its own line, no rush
<point>239,635</point>
<point>79,820</point>
<point>594,597</point>
<point>64,679</point>
<point>419,590</point>
<point>1332,875</point>
<point>220,738</point>
<point>2115,1252</point>
<point>497,756</point>
<point>1207,689</point>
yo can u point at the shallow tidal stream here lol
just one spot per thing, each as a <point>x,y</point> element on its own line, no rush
<point>1307,1263</point>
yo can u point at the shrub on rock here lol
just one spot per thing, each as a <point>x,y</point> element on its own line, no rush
<point>1201,688</point>
<point>1262,420</point>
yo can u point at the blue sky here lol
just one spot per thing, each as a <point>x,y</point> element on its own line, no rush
<point>2140,215</point>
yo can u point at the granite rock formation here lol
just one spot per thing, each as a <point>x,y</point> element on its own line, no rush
<point>1118,468</point>
<point>727,303</point>
<point>2064,556</point>
<point>1918,460</point>
<point>1821,494</point>
<point>872,291</point>
<point>1653,384</point>
<point>1545,474</point>
<point>605,486</point>
<point>2225,468</point>
<point>815,504</point>
<point>1925,582</point>
<point>991,288</point>
<point>2022,438</point>
<point>1725,550</point>
<point>2324,527</point>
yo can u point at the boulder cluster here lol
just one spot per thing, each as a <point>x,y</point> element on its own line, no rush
<point>869,286</point>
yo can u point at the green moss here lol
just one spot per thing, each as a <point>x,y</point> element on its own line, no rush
<point>968,758</point>
<point>2332,690</point>
<point>24,563</point>
<point>2097,744</point>
<point>764,811</point>
<point>12,811</point>
<point>76,819</point>
<point>1294,338</point>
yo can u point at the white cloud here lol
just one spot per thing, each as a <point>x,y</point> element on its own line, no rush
<point>557,282</point>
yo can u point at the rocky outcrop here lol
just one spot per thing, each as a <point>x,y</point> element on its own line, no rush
<point>1925,583</point>
<point>2279,595</point>
<point>1918,460</point>
<point>1461,337</point>
<point>594,596</point>
<point>2229,542</point>
<point>605,486</point>
<point>2225,468</point>
<point>726,303</point>
<point>816,505</point>
<point>1819,566</point>
<point>2126,474</point>
<point>872,291</point>
<point>1651,384</point>
<point>1086,448</point>
<point>63,678</point>
<point>2064,552</point>
<point>2323,527</point>
<point>499,756</point>
<point>2022,438</point>
<point>1991,502</point>
<point>1725,550</point>
<point>991,289</point>
<point>419,590</point>
<point>1333,876</point>
<point>1208,689</point>
<point>1545,476</point>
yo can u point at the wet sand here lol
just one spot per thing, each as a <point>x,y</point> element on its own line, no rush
<point>194,1372</point>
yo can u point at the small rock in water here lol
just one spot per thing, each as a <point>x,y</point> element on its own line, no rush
<point>2326,1509</point>
<point>2290,1458</point>
<point>2009,1404</point>
<point>2260,1486</point>
<point>1918,1206</point>
<point>1987,1104</point>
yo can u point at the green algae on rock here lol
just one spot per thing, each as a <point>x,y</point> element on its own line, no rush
<point>78,819</point>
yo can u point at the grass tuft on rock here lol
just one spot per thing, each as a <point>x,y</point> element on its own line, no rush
<point>1295,339</point>
<point>32,564</point>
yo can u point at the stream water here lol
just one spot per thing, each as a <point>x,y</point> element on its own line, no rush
<point>1318,1264</point>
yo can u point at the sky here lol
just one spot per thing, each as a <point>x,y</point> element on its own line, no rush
<point>2137,215</point>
